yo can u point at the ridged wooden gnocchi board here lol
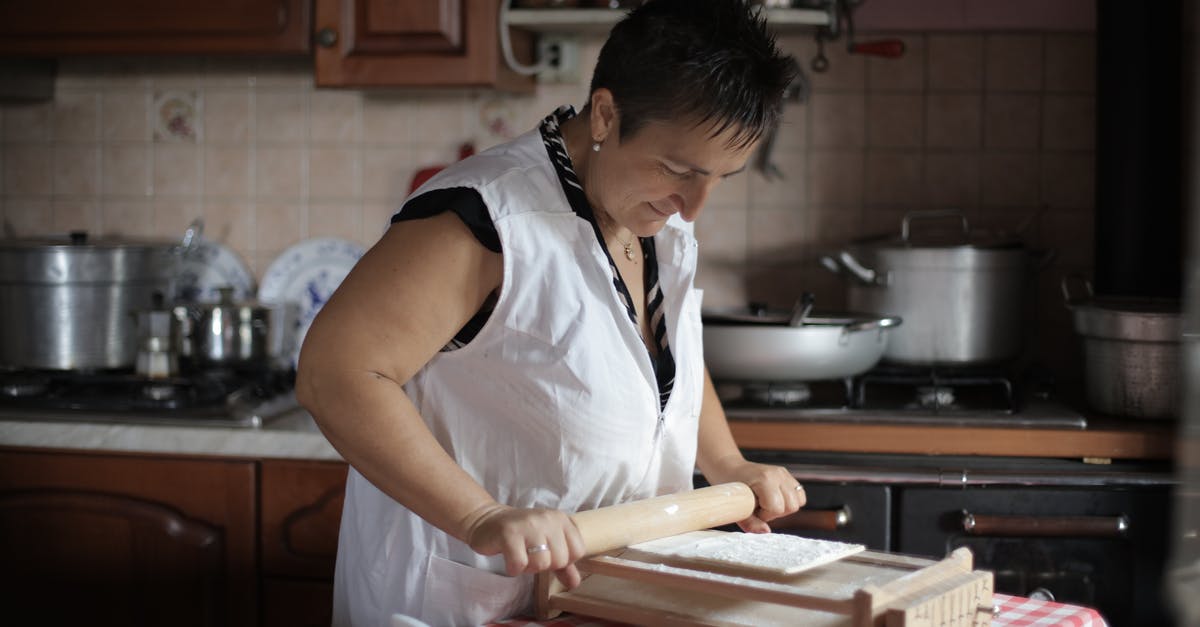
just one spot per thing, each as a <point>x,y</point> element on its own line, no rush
<point>863,589</point>
<point>768,553</point>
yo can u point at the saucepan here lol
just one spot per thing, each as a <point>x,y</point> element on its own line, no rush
<point>758,344</point>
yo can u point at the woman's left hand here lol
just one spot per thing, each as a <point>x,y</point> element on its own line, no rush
<point>777,492</point>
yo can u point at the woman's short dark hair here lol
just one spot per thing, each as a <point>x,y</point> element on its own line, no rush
<point>713,61</point>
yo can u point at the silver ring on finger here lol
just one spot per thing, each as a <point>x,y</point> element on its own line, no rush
<point>799,487</point>
<point>538,548</point>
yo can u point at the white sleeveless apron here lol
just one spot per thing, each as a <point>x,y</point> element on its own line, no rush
<point>553,404</point>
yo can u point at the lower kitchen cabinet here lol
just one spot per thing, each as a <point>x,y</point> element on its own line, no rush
<point>843,512</point>
<point>127,540</point>
<point>1102,548</point>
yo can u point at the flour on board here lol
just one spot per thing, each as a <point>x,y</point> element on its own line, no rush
<point>760,551</point>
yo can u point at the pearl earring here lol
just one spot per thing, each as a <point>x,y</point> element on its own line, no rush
<point>595,146</point>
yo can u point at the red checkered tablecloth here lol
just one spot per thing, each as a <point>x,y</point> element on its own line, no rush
<point>1014,612</point>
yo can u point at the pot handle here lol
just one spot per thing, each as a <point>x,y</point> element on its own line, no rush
<point>1070,297</point>
<point>192,234</point>
<point>906,223</point>
<point>864,274</point>
<point>868,325</point>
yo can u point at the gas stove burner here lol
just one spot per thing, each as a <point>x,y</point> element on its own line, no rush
<point>18,385</point>
<point>778,394</point>
<point>159,391</point>
<point>935,397</point>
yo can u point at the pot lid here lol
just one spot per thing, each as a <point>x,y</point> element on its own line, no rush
<point>941,229</point>
<point>81,240</point>
<point>761,316</point>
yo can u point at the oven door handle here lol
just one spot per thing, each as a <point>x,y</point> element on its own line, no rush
<point>813,520</point>
<point>1052,526</point>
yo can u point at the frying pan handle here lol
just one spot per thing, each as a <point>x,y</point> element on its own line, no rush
<point>869,325</point>
<point>1045,526</point>
<point>1068,292</point>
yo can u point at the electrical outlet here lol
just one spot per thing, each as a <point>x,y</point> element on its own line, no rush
<point>561,52</point>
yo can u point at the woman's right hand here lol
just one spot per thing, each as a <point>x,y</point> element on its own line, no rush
<point>531,540</point>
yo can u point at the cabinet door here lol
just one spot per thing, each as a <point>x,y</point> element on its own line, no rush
<point>114,540</point>
<point>421,43</point>
<point>53,27</point>
<point>842,512</point>
<point>301,509</point>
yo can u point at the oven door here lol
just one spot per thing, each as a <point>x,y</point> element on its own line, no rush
<point>1102,548</point>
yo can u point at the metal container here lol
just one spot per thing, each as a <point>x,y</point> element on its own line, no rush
<point>1131,353</point>
<point>69,302</point>
<point>235,334</point>
<point>744,345</point>
<point>960,293</point>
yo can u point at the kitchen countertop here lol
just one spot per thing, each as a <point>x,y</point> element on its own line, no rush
<point>294,435</point>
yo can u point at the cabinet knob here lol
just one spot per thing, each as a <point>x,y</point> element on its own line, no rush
<point>327,37</point>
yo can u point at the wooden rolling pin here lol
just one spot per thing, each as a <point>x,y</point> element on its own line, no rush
<point>616,526</point>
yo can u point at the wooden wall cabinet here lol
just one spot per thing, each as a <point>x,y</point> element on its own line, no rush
<point>124,540</point>
<point>416,43</point>
<point>68,27</point>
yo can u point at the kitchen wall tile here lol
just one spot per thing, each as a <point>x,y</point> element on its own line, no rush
<point>1071,63</point>
<point>280,116</point>
<point>776,235</point>
<point>125,116</point>
<point>779,285</point>
<point>334,172</point>
<point>28,169</point>
<point>953,120</point>
<point>847,72</point>
<point>71,214</point>
<point>177,169</point>
<point>436,119</point>
<point>1068,180</point>
<point>172,217</point>
<point>793,127</point>
<point>127,72</point>
<point>788,191</point>
<point>835,178</point>
<point>127,217</point>
<point>1014,62</point>
<point>291,72</point>
<point>895,119</point>
<point>894,178</point>
<point>1009,179</point>
<point>28,122</point>
<point>951,179</point>
<point>904,73</point>
<point>735,189</point>
<point>29,216</point>
<point>1012,120</point>
<point>173,72</point>
<point>376,217</point>
<point>76,169</point>
<point>77,116</point>
<point>838,120</point>
<point>334,116</point>
<point>1070,122</point>
<point>387,173</point>
<point>279,171</point>
<point>336,219</point>
<point>833,227</point>
<point>228,170</point>
<point>125,169</point>
<point>386,119</point>
<point>724,284</point>
<point>279,225</point>
<point>80,73</point>
<point>955,62</point>
<point>882,220</point>
<point>1070,234</point>
<point>227,72</point>
<point>227,115</point>
<point>496,118</point>
<point>722,233</point>
<point>230,222</point>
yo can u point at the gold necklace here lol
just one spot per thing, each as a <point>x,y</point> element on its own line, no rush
<point>628,246</point>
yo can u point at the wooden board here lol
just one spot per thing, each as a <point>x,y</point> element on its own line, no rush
<point>767,553</point>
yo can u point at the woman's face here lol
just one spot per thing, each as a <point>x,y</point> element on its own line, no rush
<point>663,169</point>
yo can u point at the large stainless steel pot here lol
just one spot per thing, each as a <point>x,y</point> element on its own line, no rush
<point>1131,353</point>
<point>235,334</point>
<point>747,345</point>
<point>960,293</point>
<point>69,302</point>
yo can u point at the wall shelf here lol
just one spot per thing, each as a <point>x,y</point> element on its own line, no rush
<point>600,21</point>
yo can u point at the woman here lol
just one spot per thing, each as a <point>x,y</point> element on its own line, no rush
<point>524,341</point>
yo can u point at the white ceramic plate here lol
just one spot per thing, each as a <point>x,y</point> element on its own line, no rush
<point>209,266</point>
<point>307,274</point>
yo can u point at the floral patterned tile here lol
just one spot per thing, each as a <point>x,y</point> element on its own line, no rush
<point>177,116</point>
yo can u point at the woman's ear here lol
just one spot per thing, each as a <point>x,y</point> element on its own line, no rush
<point>602,115</point>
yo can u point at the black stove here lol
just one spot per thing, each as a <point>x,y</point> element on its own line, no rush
<point>894,394</point>
<point>218,397</point>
